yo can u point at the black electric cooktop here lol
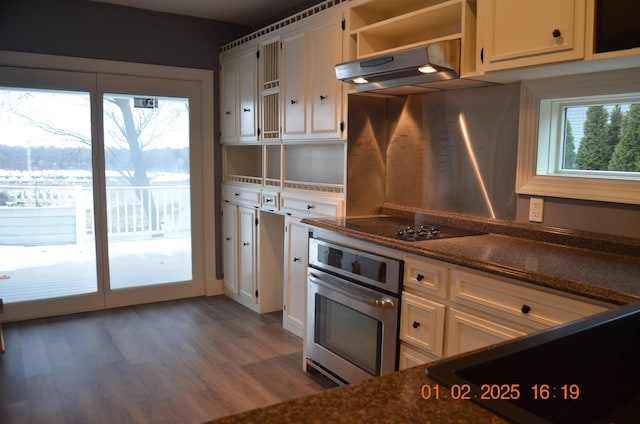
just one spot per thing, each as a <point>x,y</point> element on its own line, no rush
<point>404,229</point>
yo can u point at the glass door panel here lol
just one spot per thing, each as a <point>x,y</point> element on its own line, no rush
<point>148,201</point>
<point>47,244</point>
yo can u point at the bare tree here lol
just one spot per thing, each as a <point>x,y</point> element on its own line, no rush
<point>124,130</point>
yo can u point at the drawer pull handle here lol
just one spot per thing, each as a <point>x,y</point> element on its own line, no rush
<point>246,109</point>
<point>245,244</point>
<point>293,102</point>
<point>268,200</point>
<point>296,259</point>
<point>419,277</point>
<point>236,194</point>
<point>322,98</point>
<point>228,238</point>
<point>415,324</point>
<point>525,309</point>
<point>310,207</point>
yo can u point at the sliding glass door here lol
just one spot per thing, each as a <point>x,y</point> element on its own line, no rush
<point>148,205</point>
<point>47,238</point>
<point>96,191</point>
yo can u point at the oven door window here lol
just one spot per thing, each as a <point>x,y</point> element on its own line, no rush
<point>349,334</point>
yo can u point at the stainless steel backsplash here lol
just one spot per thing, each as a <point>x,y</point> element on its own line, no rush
<point>450,151</point>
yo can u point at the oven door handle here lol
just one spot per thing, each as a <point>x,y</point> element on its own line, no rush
<point>339,287</point>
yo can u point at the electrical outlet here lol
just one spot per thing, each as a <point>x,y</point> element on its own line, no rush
<point>536,205</point>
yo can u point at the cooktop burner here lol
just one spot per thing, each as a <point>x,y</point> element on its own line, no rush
<point>403,229</point>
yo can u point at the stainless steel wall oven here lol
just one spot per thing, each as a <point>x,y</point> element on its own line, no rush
<point>352,311</point>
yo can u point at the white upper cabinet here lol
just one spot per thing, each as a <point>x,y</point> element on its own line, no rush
<point>229,101</point>
<point>248,96</point>
<point>524,33</point>
<point>313,99</point>
<point>294,61</point>
<point>239,95</point>
<point>326,118</point>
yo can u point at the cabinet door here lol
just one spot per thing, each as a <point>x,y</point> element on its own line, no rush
<point>326,90</point>
<point>466,332</point>
<point>523,33</point>
<point>229,246</point>
<point>247,255</point>
<point>422,323</point>
<point>247,89</point>
<point>229,101</point>
<point>295,276</point>
<point>294,97</point>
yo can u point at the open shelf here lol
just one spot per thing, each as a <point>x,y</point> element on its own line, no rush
<point>379,28</point>
<point>377,11</point>
<point>315,167</point>
<point>273,166</point>
<point>243,164</point>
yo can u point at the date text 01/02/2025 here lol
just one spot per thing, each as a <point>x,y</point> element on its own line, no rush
<point>502,391</point>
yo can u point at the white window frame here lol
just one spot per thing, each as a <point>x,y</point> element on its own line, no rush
<point>33,71</point>
<point>541,124</point>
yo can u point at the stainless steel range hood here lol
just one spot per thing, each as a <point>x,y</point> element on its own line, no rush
<point>434,66</point>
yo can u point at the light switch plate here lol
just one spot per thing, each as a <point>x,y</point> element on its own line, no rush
<point>536,206</point>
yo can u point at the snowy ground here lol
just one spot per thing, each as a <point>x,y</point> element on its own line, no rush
<point>34,272</point>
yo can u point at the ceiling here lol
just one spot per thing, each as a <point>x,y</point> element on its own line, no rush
<point>243,12</point>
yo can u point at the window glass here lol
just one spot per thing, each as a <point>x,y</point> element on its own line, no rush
<point>601,137</point>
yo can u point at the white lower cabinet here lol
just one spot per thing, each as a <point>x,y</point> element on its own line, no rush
<point>305,205</point>
<point>422,323</point>
<point>253,249</point>
<point>466,332</point>
<point>296,258</point>
<point>410,357</point>
<point>247,254</point>
<point>448,310</point>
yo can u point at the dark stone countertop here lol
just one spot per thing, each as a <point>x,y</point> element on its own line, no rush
<point>394,398</point>
<point>594,273</point>
<point>605,269</point>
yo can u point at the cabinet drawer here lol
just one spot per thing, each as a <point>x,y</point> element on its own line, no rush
<point>241,195</point>
<point>466,332</point>
<point>309,206</point>
<point>518,303</point>
<point>425,276</point>
<point>270,200</point>
<point>412,357</point>
<point>422,323</point>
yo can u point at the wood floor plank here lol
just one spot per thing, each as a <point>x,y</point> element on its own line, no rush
<point>184,361</point>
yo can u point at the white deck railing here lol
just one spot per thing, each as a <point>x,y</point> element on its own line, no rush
<point>130,210</point>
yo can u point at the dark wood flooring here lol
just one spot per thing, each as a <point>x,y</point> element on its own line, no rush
<point>184,361</point>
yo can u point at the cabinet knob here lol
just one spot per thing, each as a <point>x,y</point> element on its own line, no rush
<point>419,277</point>
<point>293,102</point>
<point>415,324</point>
<point>228,238</point>
<point>525,309</point>
<point>556,33</point>
<point>246,109</point>
<point>310,207</point>
<point>268,200</point>
<point>245,244</point>
<point>296,259</point>
<point>322,97</point>
<point>228,112</point>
